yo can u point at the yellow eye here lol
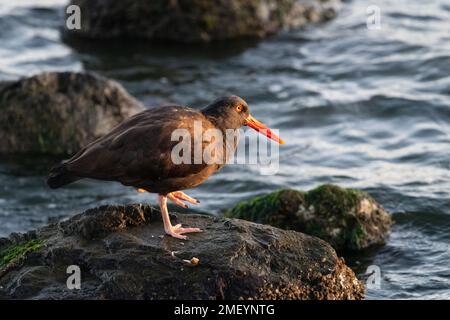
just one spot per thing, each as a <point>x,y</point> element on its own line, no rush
<point>239,108</point>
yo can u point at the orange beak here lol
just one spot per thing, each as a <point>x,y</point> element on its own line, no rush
<point>262,128</point>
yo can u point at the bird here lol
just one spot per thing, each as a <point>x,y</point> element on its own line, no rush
<point>139,152</point>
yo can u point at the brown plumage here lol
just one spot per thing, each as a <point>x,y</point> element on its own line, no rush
<point>138,151</point>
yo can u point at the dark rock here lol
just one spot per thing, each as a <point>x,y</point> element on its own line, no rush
<point>196,20</point>
<point>123,255</point>
<point>346,218</point>
<point>58,113</point>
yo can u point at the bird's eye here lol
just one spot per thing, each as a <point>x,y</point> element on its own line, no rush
<point>239,108</point>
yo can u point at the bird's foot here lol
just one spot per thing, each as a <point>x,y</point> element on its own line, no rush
<point>178,197</point>
<point>177,231</point>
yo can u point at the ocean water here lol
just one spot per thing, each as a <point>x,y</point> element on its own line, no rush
<point>358,107</point>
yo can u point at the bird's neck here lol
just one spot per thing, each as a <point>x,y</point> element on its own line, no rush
<point>216,120</point>
<point>230,135</point>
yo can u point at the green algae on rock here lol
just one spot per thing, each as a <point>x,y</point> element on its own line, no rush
<point>277,209</point>
<point>15,252</point>
<point>346,218</point>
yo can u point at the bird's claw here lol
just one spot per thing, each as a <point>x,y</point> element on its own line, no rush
<point>177,231</point>
<point>178,197</point>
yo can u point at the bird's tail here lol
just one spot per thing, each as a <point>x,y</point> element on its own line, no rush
<point>60,176</point>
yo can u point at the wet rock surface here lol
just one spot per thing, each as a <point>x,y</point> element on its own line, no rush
<point>346,218</point>
<point>122,254</point>
<point>58,113</point>
<point>196,20</point>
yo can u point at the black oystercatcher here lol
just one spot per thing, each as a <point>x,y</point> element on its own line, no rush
<point>138,152</point>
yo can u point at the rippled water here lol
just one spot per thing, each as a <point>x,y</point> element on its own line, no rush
<point>360,108</point>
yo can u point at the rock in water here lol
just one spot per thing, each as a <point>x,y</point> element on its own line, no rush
<point>346,218</point>
<point>196,20</point>
<point>59,113</point>
<point>122,254</point>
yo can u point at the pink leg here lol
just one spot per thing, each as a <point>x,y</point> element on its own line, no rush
<point>174,231</point>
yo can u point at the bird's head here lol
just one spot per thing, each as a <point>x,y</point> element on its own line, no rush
<point>232,113</point>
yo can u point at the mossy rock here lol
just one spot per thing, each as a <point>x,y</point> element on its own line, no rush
<point>122,255</point>
<point>349,219</point>
<point>194,21</point>
<point>60,112</point>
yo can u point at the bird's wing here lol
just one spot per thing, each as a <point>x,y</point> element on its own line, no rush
<point>139,149</point>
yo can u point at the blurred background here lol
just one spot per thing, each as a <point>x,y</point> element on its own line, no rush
<point>360,107</point>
